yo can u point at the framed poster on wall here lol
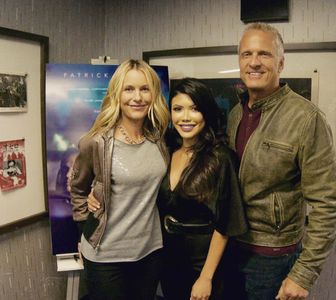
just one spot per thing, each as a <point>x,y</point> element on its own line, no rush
<point>312,64</point>
<point>22,82</point>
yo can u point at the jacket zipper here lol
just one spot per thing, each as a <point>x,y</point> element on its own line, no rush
<point>106,192</point>
<point>269,144</point>
<point>277,213</point>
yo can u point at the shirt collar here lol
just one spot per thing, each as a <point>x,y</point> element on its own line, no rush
<point>268,101</point>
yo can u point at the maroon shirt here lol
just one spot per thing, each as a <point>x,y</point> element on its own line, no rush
<point>248,124</point>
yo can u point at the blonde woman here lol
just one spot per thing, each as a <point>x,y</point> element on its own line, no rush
<point>122,159</point>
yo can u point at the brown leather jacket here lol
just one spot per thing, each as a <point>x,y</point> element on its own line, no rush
<point>92,172</point>
<point>289,161</point>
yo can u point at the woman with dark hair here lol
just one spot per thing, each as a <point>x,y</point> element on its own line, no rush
<point>199,200</point>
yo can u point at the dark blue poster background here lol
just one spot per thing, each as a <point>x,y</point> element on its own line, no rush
<point>74,93</point>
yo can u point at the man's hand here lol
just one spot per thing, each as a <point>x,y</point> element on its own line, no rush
<point>289,290</point>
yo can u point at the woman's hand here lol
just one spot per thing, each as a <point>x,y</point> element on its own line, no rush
<point>93,203</point>
<point>201,289</point>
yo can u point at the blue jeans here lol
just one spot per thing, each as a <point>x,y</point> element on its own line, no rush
<point>263,275</point>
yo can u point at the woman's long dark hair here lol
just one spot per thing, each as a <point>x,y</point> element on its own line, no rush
<point>199,179</point>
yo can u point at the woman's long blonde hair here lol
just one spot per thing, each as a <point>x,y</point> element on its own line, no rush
<point>157,119</point>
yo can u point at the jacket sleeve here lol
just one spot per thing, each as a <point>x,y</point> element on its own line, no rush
<point>81,182</point>
<point>318,182</point>
<point>230,216</point>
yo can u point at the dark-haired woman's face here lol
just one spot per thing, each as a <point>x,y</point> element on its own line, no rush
<point>187,120</point>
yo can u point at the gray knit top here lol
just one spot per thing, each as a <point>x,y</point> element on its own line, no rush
<point>133,226</point>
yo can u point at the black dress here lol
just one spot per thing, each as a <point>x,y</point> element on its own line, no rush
<point>184,254</point>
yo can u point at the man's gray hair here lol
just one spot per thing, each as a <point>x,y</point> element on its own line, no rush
<point>268,28</point>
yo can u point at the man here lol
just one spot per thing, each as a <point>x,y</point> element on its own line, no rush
<point>287,159</point>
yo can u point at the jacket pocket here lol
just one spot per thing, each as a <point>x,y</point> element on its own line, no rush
<point>277,212</point>
<point>90,226</point>
<point>277,146</point>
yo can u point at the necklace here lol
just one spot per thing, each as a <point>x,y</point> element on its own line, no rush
<point>127,138</point>
<point>187,149</point>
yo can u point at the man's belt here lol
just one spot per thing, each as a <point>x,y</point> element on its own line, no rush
<point>269,251</point>
<point>173,226</point>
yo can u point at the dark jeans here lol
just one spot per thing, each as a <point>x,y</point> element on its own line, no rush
<point>263,275</point>
<point>124,280</point>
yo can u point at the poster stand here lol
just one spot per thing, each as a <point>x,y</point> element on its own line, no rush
<point>72,264</point>
<point>104,60</point>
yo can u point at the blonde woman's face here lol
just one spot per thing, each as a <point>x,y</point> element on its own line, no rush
<point>136,96</point>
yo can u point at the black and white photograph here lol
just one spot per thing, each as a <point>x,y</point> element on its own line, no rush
<point>13,93</point>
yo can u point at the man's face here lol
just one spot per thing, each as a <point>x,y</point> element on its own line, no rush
<point>260,65</point>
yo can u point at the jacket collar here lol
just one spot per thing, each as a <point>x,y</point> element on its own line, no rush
<point>108,133</point>
<point>270,100</point>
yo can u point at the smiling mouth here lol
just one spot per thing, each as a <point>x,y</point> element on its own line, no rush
<point>255,74</point>
<point>187,128</point>
<point>138,106</point>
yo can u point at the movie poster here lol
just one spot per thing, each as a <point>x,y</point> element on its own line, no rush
<point>74,94</point>
<point>13,165</point>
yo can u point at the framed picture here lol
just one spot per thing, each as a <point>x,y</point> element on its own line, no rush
<point>12,165</point>
<point>13,93</point>
<point>22,138</point>
<point>310,69</point>
<point>226,90</point>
